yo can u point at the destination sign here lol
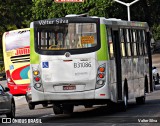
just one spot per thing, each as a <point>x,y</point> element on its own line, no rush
<point>87,39</point>
<point>54,21</point>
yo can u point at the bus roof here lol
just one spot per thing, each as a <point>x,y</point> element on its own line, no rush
<point>119,22</point>
<point>109,21</point>
<point>23,29</point>
<point>115,21</point>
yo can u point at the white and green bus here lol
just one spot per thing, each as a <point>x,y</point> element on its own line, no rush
<point>89,61</point>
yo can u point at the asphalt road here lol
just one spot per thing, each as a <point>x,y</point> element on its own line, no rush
<point>147,114</point>
<point>97,116</point>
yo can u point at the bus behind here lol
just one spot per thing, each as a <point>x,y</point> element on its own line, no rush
<point>16,53</point>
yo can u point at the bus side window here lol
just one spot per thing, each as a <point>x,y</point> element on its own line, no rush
<point>123,43</point>
<point>128,42</point>
<point>110,43</point>
<point>131,42</point>
<point>134,43</point>
<point>137,42</point>
<point>140,43</point>
<point>145,42</point>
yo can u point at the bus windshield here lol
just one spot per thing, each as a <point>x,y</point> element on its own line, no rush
<point>66,36</point>
<point>15,40</point>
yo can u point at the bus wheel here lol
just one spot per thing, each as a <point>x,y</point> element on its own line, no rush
<point>57,108</point>
<point>45,104</point>
<point>31,106</point>
<point>124,104</point>
<point>140,100</point>
<point>68,109</point>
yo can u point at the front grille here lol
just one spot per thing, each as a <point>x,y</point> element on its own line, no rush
<point>20,59</point>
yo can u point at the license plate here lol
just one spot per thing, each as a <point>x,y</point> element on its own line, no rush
<point>70,87</point>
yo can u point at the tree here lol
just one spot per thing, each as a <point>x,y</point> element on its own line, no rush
<point>14,14</point>
<point>156,31</point>
<point>43,9</point>
<point>19,13</point>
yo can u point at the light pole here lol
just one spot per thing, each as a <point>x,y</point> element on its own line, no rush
<point>128,6</point>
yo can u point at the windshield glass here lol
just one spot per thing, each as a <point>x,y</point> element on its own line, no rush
<point>17,39</point>
<point>67,36</point>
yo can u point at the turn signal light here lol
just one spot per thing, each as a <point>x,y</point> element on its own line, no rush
<point>36,72</point>
<point>101,69</point>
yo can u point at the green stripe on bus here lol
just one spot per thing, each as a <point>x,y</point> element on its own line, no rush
<point>34,57</point>
<point>102,53</point>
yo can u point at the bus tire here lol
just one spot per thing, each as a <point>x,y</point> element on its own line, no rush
<point>157,78</point>
<point>124,104</point>
<point>68,109</point>
<point>57,109</point>
<point>146,85</point>
<point>31,106</point>
<point>140,100</point>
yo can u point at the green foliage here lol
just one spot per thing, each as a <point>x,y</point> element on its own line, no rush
<point>43,9</point>
<point>156,31</point>
<point>14,14</point>
<point>19,13</point>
